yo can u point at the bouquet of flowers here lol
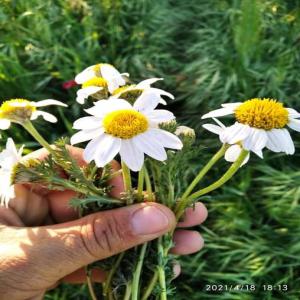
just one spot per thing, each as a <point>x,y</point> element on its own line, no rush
<point>124,122</point>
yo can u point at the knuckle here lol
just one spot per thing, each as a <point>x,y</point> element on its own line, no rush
<point>101,236</point>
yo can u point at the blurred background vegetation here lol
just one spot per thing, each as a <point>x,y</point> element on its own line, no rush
<point>209,52</point>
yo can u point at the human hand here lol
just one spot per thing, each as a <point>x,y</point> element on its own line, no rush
<point>42,241</point>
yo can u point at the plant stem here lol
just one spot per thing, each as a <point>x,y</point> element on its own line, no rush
<point>148,185</point>
<point>141,184</point>
<point>137,273</point>
<point>161,270</point>
<point>31,129</point>
<point>128,291</point>
<point>229,173</point>
<point>150,286</point>
<point>106,289</point>
<point>205,169</point>
<point>126,177</point>
<point>90,284</point>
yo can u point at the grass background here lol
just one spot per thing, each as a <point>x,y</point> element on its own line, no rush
<point>209,52</point>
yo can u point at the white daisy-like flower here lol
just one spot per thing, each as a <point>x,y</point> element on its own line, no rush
<point>108,72</point>
<point>260,123</point>
<point>9,158</point>
<point>21,110</point>
<point>95,87</point>
<point>233,152</point>
<point>115,126</point>
<point>131,92</point>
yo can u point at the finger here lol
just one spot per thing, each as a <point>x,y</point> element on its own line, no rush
<point>9,217</point>
<point>79,276</point>
<point>194,215</point>
<point>29,206</point>
<point>59,204</point>
<point>117,181</point>
<point>187,242</point>
<point>176,270</point>
<point>70,246</point>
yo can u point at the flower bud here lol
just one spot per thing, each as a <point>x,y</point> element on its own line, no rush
<point>186,134</point>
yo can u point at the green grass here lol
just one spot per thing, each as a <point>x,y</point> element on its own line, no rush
<point>210,52</point>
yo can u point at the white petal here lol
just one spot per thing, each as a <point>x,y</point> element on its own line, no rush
<point>219,113</point>
<point>84,93</point>
<point>146,83</point>
<point>161,92</point>
<point>147,143</point>
<point>293,113</point>
<point>87,123</point>
<point>147,101</point>
<point>256,140</point>
<point>48,102</point>
<point>235,133</point>
<point>112,76</point>
<point>85,135</point>
<point>166,138</point>
<point>11,147</point>
<point>233,153</point>
<point>46,116</point>
<point>294,124</point>
<point>131,155</point>
<point>213,128</point>
<point>4,124</point>
<point>160,115</point>
<point>232,105</point>
<point>219,123</point>
<point>91,148</point>
<point>107,150</point>
<point>85,75</point>
<point>279,140</point>
<point>103,107</point>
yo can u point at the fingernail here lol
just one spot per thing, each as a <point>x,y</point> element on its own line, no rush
<point>149,220</point>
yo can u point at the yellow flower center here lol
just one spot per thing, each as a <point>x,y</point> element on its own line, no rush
<point>125,123</point>
<point>16,110</point>
<point>130,95</point>
<point>96,81</point>
<point>262,113</point>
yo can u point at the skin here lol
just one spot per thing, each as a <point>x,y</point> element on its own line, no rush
<point>43,242</point>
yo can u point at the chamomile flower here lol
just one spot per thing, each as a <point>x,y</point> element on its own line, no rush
<point>115,126</point>
<point>109,73</point>
<point>9,158</point>
<point>260,123</point>
<point>233,152</point>
<point>132,92</point>
<point>21,110</point>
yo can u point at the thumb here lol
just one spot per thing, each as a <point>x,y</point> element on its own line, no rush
<point>66,247</point>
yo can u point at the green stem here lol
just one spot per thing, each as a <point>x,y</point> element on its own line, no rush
<point>148,185</point>
<point>204,170</point>
<point>150,286</point>
<point>126,177</point>
<point>90,284</point>
<point>137,273</point>
<point>228,175</point>
<point>141,183</point>
<point>107,285</point>
<point>161,271</point>
<point>128,291</point>
<point>31,129</point>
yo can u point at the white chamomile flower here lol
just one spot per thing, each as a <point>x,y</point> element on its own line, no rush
<point>115,126</point>
<point>131,92</point>
<point>108,72</point>
<point>233,152</point>
<point>259,123</point>
<point>95,87</point>
<point>9,158</point>
<point>21,110</point>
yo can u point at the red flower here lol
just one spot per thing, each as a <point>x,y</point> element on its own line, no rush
<point>69,84</point>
